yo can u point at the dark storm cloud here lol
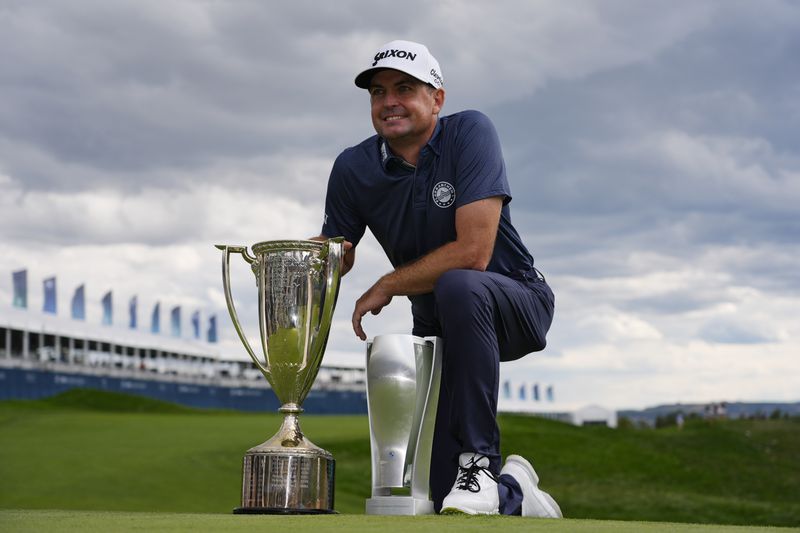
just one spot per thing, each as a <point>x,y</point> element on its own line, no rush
<point>106,88</point>
<point>139,86</point>
<point>673,302</point>
<point>692,150</point>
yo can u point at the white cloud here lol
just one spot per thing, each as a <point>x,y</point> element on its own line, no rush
<point>620,375</point>
<point>610,325</point>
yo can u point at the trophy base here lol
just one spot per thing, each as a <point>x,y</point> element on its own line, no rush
<point>399,505</point>
<point>282,482</point>
<point>273,510</point>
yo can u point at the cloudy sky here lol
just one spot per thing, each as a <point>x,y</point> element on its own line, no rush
<point>652,148</point>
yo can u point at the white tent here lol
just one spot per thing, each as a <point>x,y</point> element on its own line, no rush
<point>594,415</point>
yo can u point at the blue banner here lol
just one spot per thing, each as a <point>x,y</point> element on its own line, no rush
<point>20,288</point>
<point>212,328</point>
<point>196,324</point>
<point>507,389</point>
<point>79,304</point>
<point>50,295</point>
<point>536,392</point>
<point>108,317</point>
<point>550,393</point>
<point>175,321</point>
<point>155,320</point>
<point>132,313</point>
<point>522,391</point>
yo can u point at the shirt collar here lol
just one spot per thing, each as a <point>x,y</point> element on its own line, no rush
<point>436,138</point>
<point>388,157</point>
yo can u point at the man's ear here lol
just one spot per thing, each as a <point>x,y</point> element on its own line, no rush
<point>438,101</point>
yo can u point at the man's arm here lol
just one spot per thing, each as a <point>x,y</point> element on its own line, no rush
<point>476,230</point>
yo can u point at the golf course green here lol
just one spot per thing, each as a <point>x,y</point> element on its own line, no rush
<point>109,461</point>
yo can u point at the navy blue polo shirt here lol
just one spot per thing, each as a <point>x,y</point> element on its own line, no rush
<point>411,211</point>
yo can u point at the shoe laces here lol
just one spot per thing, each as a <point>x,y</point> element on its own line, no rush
<point>468,475</point>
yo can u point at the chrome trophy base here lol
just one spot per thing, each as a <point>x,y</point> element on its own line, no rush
<point>288,474</point>
<point>399,505</point>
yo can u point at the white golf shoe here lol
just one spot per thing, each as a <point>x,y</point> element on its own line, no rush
<point>535,501</point>
<point>475,489</point>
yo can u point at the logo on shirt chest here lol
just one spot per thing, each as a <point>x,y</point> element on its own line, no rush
<point>444,194</point>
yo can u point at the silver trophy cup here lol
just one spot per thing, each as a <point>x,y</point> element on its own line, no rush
<point>403,377</point>
<point>298,283</point>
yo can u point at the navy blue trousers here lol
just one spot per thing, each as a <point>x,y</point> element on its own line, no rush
<point>484,318</point>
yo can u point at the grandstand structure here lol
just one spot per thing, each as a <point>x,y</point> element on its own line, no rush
<point>43,354</point>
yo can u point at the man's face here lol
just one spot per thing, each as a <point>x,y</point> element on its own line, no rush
<point>404,109</point>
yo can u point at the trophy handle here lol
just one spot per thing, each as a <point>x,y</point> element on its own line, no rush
<point>226,284</point>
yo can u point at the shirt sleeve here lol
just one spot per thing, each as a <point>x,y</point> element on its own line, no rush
<point>480,169</point>
<point>342,217</point>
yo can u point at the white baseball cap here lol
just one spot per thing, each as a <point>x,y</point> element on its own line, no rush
<point>406,56</point>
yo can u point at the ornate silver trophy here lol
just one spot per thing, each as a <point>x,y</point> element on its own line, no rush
<point>298,283</point>
<point>403,378</point>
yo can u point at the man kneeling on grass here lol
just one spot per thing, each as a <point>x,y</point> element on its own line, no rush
<point>434,193</point>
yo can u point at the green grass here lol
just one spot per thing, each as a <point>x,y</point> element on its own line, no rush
<point>87,450</point>
<point>745,472</point>
<point>83,521</point>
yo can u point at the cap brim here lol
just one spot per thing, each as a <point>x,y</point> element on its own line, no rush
<point>363,79</point>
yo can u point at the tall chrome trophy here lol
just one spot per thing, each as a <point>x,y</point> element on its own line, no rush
<point>298,283</point>
<point>403,379</point>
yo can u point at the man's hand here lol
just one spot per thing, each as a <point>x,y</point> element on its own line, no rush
<point>348,256</point>
<point>372,301</point>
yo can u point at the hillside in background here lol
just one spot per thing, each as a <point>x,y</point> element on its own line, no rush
<point>732,410</point>
<point>99,451</point>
